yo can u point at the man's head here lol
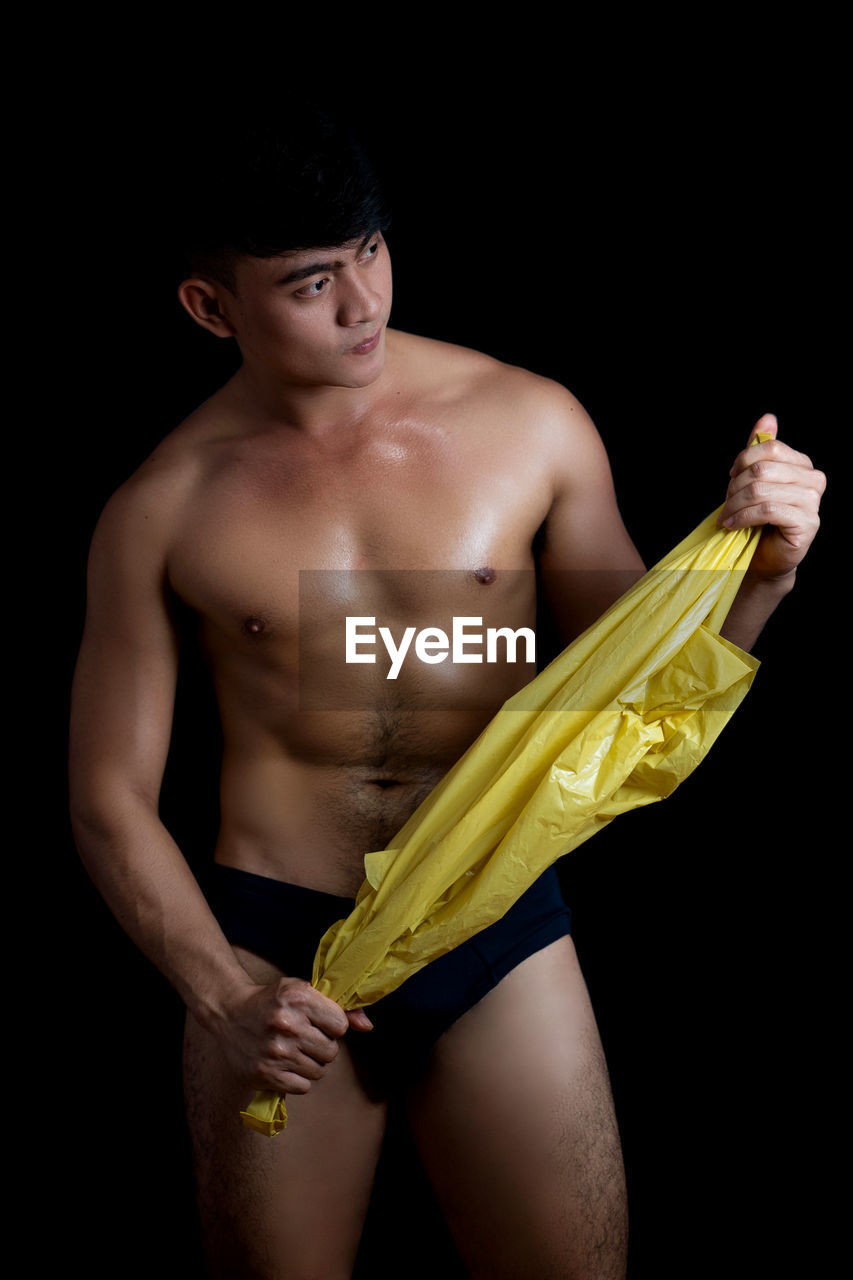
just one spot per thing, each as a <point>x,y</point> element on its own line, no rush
<point>283,247</point>
<point>300,181</point>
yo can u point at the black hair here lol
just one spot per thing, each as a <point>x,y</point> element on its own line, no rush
<point>301,180</point>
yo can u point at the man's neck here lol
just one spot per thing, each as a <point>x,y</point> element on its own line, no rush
<point>311,410</point>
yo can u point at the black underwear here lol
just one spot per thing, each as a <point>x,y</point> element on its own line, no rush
<point>283,923</point>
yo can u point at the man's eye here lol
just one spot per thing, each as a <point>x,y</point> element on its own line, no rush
<point>371,251</point>
<point>312,290</point>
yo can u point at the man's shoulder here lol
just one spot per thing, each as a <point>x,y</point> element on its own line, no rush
<point>463,374</point>
<point>144,508</point>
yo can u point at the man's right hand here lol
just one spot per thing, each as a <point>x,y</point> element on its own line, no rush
<point>282,1036</point>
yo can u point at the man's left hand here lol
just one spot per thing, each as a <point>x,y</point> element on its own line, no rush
<point>774,485</point>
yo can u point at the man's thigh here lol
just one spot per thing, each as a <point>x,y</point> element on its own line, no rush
<point>515,1123</point>
<point>286,1207</point>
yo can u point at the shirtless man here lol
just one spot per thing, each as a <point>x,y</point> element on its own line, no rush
<point>342,445</point>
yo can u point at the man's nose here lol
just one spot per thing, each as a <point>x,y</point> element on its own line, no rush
<point>358,301</point>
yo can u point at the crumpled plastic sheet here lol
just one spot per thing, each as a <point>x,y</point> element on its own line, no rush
<point>616,721</point>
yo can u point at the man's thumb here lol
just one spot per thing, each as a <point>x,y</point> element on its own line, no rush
<point>766,425</point>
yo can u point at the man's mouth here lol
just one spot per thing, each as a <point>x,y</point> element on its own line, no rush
<point>369,345</point>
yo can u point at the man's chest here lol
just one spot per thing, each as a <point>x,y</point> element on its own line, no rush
<point>402,531</point>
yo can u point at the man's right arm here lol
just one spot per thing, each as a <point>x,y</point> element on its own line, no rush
<point>277,1037</point>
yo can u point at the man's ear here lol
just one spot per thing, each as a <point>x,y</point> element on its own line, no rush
<point>202,299</point>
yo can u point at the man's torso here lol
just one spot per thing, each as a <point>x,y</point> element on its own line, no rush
<point>425,511</point>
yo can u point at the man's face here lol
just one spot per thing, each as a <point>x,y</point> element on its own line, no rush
<point>316,317</point>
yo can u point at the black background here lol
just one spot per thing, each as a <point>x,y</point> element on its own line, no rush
<point>661,234</point>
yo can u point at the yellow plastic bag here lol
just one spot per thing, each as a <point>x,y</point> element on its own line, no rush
<point>616,721</point>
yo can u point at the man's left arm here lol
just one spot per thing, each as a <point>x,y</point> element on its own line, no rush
<point>775,486</point>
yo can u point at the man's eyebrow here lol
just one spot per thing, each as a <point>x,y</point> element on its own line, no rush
<point>315,268</point>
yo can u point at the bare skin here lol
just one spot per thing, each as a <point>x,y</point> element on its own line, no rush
<point>361,454</point>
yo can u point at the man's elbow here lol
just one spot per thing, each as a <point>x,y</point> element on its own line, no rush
<point>105,814</point>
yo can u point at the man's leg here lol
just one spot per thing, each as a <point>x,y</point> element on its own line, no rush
<point>289,1207</point>
<point>515,1124</point>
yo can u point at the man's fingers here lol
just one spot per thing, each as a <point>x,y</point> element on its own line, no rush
<point>757,456</point>
<point>310,1042</point>
<point>747,513</point>
<point>304,1060</point>
<point>318,1009</point>
<point>293,1027</point>
<point>776,477</point>
<point>282,1081</point>
<point>328,1017</point>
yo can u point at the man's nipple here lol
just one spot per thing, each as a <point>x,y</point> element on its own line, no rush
<point>254,626</point>
<point>485,576</point>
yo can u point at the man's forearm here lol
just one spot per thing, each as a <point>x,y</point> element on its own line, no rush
<point>149,887</point>
<point>755,601</point>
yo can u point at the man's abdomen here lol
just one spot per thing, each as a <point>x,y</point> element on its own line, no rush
<point>308,812</point>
